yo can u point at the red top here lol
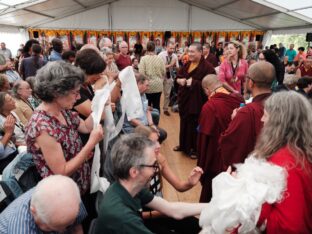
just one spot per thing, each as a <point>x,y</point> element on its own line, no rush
<point>123,61</point>
<point>294,213</point>
<point>234,76</point>
<point>305,72</point>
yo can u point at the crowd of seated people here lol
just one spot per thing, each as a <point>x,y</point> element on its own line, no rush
<point>48,135</point>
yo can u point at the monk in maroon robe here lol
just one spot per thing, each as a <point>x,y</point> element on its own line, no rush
<point>191,98</point>
<point>239,139</point>
<point>214,119</point>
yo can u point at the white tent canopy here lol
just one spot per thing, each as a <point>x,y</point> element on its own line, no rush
<point>185,15</point>
<point>274,16</point>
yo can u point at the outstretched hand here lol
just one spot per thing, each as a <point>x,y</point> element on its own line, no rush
<point>195,176</point>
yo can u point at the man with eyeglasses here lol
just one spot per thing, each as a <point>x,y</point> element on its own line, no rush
<point>134,164</point>
<point>239,139</point>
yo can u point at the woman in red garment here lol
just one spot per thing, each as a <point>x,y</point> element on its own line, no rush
<point>233,70</point>
<point>286,140</point>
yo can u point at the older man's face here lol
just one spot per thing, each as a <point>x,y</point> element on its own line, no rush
<point>123,48</point>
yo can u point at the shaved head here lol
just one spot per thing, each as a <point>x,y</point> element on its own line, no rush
<point>211,82</point>
<point>262,74</point>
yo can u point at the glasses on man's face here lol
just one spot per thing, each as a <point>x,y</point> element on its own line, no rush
<point>155,166</point>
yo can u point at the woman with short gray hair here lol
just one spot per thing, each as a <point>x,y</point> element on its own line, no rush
<point>52,134</point>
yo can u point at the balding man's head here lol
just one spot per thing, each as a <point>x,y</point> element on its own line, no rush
<point>262,74</point>
<point>55,203</point>
<point>123,47</point>
<point>210,83</point>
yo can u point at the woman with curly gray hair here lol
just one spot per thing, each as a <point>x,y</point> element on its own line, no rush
<point>286,141</point>
<point>52,134</point>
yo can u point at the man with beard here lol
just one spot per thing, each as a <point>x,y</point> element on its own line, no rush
<point>214,118</point>
<point>239,139</point>
<point>134,164</point>
<point>191,97</point>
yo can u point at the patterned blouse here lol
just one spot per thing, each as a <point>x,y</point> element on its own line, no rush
<point>153,67</point>
<point>67,136</point>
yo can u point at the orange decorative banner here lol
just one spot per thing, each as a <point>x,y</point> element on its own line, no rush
<point>184,38</point>
<point>197,37</point>
<point>119,37</point>
<point>145,37</point>
<point>132,39</point>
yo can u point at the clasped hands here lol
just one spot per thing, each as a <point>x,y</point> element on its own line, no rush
<point>184,81</point>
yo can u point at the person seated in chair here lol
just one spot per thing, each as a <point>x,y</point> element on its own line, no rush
<point>146,120</point>
<point>54,205</point>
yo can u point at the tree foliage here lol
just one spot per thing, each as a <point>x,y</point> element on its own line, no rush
<point>297,39</point>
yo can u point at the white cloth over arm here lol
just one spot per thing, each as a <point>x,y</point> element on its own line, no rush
<point>238,200</point>
<point>98,103</point>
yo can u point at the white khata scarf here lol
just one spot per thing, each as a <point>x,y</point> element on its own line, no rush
<point>130,104</point>
<point>238,200</point>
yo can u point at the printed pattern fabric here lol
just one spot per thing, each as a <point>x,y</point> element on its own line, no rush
<point>67,136</point>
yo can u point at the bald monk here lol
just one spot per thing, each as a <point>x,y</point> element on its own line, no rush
<point>240,137</point>
<point>214,118</point>
<point>191,97</point>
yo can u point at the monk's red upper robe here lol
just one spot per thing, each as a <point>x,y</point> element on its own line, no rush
<point>239,139</point>
<point>214,119</point>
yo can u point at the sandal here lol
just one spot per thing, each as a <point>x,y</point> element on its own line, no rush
<point>177,148</point>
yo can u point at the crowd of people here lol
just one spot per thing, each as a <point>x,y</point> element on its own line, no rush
<point>233,102</point>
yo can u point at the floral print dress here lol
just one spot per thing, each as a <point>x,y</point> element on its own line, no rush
<point>66,135</point>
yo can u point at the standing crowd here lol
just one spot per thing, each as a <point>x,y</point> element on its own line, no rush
<point>233,102</point>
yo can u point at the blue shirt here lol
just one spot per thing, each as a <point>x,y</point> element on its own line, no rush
<point>55,56</point>
<point>291,54</point>
<point>17,219</point>
<point>127,126</point>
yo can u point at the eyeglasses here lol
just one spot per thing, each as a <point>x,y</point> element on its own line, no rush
<point>155,166</point>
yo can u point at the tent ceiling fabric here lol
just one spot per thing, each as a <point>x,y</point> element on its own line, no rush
<point>255,14</point>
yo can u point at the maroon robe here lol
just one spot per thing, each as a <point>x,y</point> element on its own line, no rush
<point>190,100</point>
<point>214,119</point>
<point>211,58</point>
<point>239,139</point>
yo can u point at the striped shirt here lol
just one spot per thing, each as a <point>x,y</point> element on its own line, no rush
<point>153,67</point>
<point>17,218</point>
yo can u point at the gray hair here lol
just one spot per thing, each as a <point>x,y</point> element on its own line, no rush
<point>290,79</point>
<point>15,88</point>
<point>64,191</point>
<point>57,79</point>
<point>103,42</point>
<point>140,78</point>
<point>127,152</point>
<point>289,124</point>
